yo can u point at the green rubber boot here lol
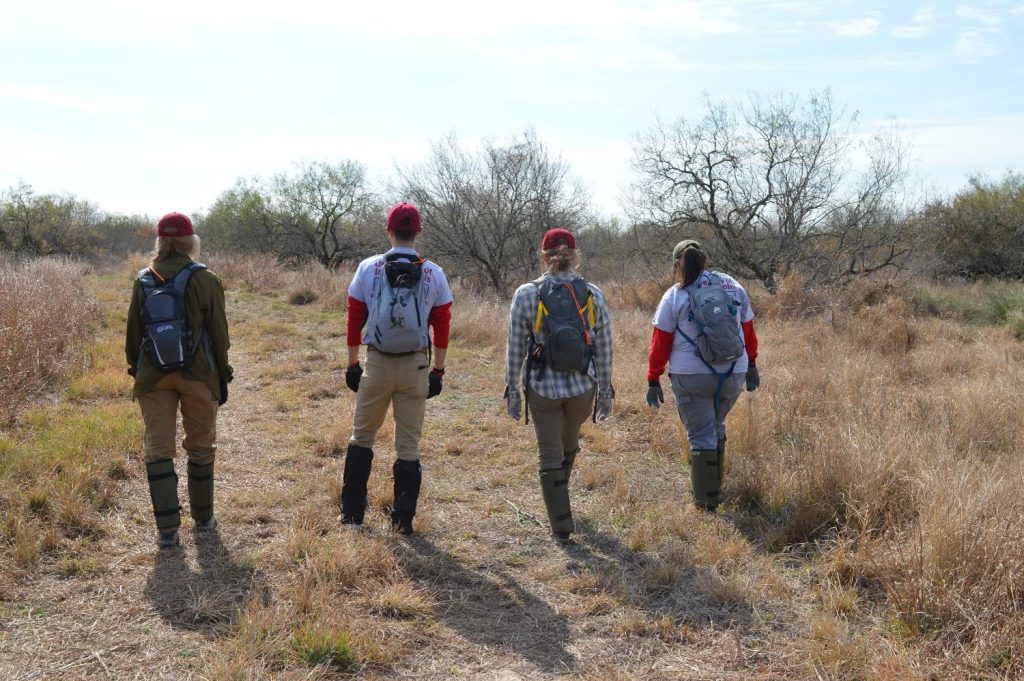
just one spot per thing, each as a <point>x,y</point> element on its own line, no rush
<point>570,459</point>
<point>163,491</point>
<point>704,477</point>
<point>554,486</point>
<point>200,494</point>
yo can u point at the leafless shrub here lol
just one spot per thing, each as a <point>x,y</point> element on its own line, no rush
<point>45,318</point>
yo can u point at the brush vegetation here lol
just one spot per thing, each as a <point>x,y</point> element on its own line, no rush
<point>874,524</point>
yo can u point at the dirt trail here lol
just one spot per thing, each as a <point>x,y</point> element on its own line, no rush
<point>147,615</point>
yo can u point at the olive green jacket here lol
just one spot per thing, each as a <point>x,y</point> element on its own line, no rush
<point>204,302</point>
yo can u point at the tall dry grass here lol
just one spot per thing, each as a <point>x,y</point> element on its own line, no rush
<point>46,318</point>
<point>887,439</point>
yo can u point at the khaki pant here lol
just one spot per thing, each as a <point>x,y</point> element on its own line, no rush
<point>198,416</point>
<point>398,382</point>
<point>557,424</point>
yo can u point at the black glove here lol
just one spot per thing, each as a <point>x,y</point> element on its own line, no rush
<point>655,396</point>
<point>435,379</point>
<point>753,378</point>
<point>223,392</point>
<point>352,376</point>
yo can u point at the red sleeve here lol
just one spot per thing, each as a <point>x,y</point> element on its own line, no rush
<point>356,314</point>
<point>441,318</point>
<point>750,340</point>
<point>661,350</point>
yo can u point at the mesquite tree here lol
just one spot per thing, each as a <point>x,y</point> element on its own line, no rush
<point>769,184</point>
<point>485,212</point>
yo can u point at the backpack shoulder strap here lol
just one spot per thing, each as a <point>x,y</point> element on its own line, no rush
<point>182,278</point>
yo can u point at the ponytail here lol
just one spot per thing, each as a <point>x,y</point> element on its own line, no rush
<point>691,264</point>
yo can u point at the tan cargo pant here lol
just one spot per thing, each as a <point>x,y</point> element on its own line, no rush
<point>399,382</point>
<point>198,417</point>
<point>557,425</point>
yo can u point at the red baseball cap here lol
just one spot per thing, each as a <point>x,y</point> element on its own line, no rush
<point>553,238</point>
<point>174,224</point>
<point>403,217</point>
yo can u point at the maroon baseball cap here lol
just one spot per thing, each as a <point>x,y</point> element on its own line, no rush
<point>403,217</point>
<point>174,224</point>
<point>553,238</point>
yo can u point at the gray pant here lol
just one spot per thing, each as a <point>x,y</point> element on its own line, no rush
<point>557,424</point>
<point>695,400</point>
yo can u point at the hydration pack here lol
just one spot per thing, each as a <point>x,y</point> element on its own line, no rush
<point>166,334</point>
<point>714,312</point>
<point>398,320</point>
<point>565,315</point>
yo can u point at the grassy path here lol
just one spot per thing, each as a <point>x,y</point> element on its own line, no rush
<point>652,589</point>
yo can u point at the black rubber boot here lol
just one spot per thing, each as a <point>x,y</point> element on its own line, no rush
<point>353,490</point>
<point>554,487</point>
<point>408,477</point>
<point>163,491</point>
<point>570,459</point>
<point>200,495</point>
<point>704,476</point>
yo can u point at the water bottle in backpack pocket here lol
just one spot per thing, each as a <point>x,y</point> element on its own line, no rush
<point>166,333</point>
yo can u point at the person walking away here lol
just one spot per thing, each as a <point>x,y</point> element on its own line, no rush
<point>176,344</point>
<point>392,300</point>
<point>704,331</point>
<point>560,346</point>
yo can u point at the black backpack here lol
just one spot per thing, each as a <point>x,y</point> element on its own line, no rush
<point>565,313</point>
<point>166,334</point>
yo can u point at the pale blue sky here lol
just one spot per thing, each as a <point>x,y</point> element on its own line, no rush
<point>146,107</point>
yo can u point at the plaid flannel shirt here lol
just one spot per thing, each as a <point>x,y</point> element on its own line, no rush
<point>556,385</point>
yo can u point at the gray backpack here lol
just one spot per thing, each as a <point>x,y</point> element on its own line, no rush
<point>398,320</point>
<point>719,340</point>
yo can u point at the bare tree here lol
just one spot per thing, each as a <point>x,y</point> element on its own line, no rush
<point>486,211</point>
<point>769,185</point>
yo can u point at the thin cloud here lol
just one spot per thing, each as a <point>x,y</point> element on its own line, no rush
<point>989,17</point>
<point>54,97</point>
<point>856,28</point>
<point>920,25</point>
<point>974,45</point>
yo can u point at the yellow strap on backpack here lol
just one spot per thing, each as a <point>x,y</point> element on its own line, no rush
<point>541,311</point>
<point>590,311</point>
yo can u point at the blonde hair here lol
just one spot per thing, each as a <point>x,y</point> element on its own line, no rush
<point>561,258</point>
<point>168,245</point>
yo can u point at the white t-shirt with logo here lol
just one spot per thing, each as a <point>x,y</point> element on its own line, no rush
<point>674,313</point>
<point>364,282</point>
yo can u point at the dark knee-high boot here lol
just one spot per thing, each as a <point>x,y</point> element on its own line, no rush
<point>200,495</point>
<point>554,487</point>
<point>163,491</point>
<point>704,477</point>
<point>358,460</point>
<point>408,477</point>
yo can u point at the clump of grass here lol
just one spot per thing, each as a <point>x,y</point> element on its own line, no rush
<point>329,648</point>
<point>302,296</point>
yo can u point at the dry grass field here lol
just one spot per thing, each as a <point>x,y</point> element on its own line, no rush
<point>874,527</point>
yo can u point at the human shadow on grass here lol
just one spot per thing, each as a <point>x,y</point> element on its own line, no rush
<point>490,607</point>
<point>203,599</point>
<point>696,595</point>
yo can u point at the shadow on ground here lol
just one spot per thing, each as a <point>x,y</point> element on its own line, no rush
<point>490,608</point>
<point>692,598</point>
<point>213,595</point>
